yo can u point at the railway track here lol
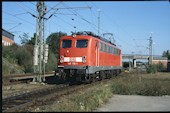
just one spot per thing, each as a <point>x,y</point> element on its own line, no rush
<point>21,78</point>
<point>21,75</point>
<point>22,103</point>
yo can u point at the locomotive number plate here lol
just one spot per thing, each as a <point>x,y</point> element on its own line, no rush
<point>73,59</point>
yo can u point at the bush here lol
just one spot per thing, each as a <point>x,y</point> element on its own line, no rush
<point>5,69</point>
<point>151,69</point>
<point>51,63</point>
<point>155,68</point>
<point>9,53</point>
<point>160,67</point>
<point>25,59</point>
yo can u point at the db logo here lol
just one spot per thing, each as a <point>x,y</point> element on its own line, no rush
<point>73,59</point>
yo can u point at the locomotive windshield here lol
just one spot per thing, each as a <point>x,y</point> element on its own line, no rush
<point>66,43</point>
<point>81,43</point>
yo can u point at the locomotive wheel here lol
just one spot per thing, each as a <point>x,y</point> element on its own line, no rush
<point>111,74</point>
<point>102,75</point>
<point>120,71</point>
<point>117,72</point>
<point>108,75</point>
<point>94,79</point>
<point>87,79</point>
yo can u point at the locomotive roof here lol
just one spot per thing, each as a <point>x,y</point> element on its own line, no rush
<point>88,33</point>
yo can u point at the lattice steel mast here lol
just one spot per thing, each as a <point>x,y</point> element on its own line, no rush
<point>38,59</point>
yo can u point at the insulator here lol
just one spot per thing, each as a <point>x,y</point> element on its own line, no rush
<point>35,55</point>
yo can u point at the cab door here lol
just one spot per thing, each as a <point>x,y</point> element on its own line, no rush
<point>97,53</point>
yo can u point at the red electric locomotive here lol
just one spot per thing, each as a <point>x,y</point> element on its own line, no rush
<point>86,57</point>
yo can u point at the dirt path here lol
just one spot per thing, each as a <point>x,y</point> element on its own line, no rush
<point>136,103</point>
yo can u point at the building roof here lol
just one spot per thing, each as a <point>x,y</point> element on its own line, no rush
<point>8,34</point>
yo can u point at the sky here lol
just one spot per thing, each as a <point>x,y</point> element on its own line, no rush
<point>131,22</point>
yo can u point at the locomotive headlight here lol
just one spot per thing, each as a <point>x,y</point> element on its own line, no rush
<point>61,57</point>
<point>74,35</point>
<point>84,59</point>
<point>61,61</point>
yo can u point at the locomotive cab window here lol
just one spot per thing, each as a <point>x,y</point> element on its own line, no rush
<point>66,43</point>
<point>82,43</point>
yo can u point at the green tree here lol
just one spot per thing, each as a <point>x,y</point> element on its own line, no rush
<point>166,54</point>
<point>25,52</point>
<point>24,38</point>
<point>32,40</point>
<point>53,41</point>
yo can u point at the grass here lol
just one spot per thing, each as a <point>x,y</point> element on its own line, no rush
<point>141,86</point>
<point>10,67</point>
<point>131,84</point>
<point>81,101</point>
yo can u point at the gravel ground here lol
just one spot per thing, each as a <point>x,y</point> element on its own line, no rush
<point>136,103</point>
<point>11,90</point>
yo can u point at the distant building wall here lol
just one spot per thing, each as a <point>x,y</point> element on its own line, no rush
<point>7,38</point>
<point>164,62</point>
<point>6,41</point>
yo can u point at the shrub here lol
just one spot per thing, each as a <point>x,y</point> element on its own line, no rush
<point>51,63</point>
<point>25,59</point>
<point>160,67</point>
<point>151,69</point>
<point>9,53</point>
